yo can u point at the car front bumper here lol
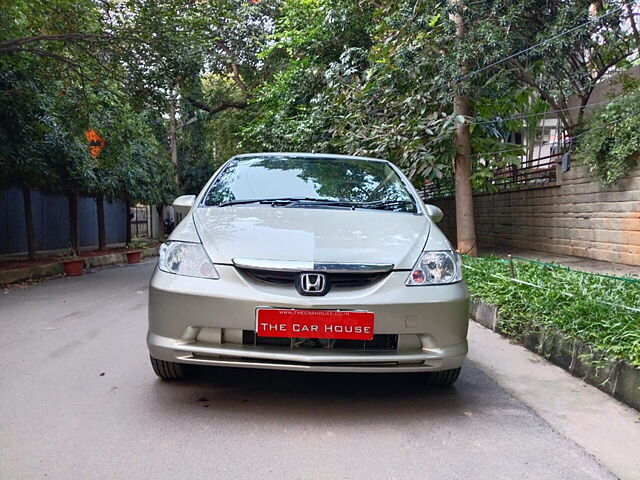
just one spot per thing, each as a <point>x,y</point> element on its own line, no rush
<point>201,321</point>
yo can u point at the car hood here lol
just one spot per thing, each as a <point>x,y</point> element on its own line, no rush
<point>311,234</point>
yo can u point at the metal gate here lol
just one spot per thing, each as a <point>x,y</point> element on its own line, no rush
<point>139,221</point>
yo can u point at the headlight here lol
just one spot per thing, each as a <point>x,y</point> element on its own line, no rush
<point>187,259</point>
<point>436,268</point>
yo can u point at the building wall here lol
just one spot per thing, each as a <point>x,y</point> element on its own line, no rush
<point>578,217</point>
<point>51,221</point>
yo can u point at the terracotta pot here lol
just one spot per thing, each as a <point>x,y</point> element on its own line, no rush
<point>134,256</point>
<point>73,268</point>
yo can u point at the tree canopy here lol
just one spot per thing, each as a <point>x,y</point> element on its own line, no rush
<point>346,76</point>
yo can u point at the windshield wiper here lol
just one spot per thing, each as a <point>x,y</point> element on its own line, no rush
<point>327,202</point>
<point>272,201</point>
<point>377,205</point>
<point>386,205</point>
<point>286,201</point>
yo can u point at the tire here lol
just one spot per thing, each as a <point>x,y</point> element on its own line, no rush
<point>167,370</point>
<point>445,378</point>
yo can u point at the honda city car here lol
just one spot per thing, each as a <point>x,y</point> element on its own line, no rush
<point>309,262</point>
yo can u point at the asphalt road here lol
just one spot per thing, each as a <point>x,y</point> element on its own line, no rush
<point>78,400</point>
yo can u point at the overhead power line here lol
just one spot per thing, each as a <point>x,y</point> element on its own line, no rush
<point>539,44</point>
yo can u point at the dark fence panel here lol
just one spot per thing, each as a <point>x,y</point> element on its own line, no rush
<point>541,170</point>
<point>538,172</point>
<point>51,221</point>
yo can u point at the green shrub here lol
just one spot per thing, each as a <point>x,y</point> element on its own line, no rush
<point>610,145</point>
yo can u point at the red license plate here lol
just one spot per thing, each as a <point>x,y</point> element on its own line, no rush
<point>274,322</point>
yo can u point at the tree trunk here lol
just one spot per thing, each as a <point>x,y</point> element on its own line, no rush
<point>465,224</point>
<point>28,222</point>
<point>74,220</point>
<point>128,226</point>
<point>102,232</point>
<point>159,209</point>
<point>632,23</point>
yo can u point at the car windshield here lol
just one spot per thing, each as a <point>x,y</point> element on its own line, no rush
<point>321,182</point>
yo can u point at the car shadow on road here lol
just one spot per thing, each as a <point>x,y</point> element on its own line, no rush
<point>264,394</point>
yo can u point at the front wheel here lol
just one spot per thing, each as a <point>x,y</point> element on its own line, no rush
<point>445,378</point>
<point>167,370</point>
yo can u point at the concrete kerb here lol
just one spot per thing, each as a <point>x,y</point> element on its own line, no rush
<point>485,314</point>
<point>36,272</point>
<point>613,376</point>
<point>29,273</point>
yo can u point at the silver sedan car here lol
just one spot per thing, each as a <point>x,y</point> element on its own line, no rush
<point>319,263</point>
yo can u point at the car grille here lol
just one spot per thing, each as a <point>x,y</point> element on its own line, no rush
<point>379,342</point>
<point>338,280</point>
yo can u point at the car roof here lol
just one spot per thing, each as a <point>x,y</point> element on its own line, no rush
<point>330,156</point>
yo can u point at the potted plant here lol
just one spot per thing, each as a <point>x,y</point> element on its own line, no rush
<point>72,264</point>
<point>134,250</point>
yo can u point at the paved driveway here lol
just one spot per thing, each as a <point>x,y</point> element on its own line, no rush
<point>78,399</point>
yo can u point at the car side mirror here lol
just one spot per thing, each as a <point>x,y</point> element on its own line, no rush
<point>183,203</point>
<point>434,212</point>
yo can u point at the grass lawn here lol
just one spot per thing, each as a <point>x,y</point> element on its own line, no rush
<point>588,307</point>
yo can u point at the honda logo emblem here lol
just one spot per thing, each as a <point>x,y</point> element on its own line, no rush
<point>312,284</point>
